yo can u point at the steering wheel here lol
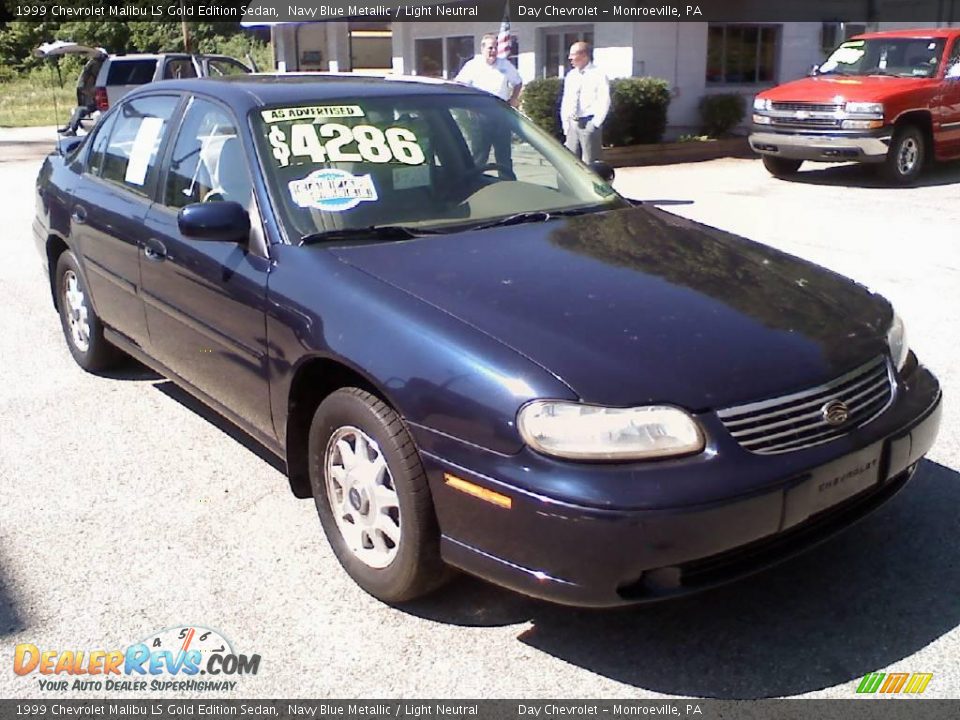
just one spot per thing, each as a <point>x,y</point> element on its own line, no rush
<point>503,169</point>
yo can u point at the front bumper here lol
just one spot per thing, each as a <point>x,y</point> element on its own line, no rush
<point>869,146</point>
<point>604,555</point>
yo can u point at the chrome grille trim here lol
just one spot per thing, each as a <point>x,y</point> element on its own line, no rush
<point>808,107</point>
<point>806,122</point>
<point>794,421</point>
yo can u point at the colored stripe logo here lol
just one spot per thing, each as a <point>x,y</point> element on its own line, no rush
<point>894,683</point>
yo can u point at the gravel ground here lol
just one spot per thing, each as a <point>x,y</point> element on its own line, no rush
<point>126,510</point>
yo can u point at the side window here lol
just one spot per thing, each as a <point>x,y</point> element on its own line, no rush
<point>97,150</point>
<point>207,163</point>
<point>131,153</point>
<point>130,72</point>
<point>178,69</point>
<point>221,66</point>
<point>953,62</point>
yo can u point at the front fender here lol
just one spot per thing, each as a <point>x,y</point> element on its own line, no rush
<point>437,372</point>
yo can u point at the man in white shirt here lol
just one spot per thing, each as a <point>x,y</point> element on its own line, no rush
<point>585,104</point>
<point>499,77</point>
<point>487,72</point>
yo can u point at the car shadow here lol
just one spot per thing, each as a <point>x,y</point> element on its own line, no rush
<point>866,176</point>
<point>11,620</point>
<point>867,598</point>
<point>178,394</point>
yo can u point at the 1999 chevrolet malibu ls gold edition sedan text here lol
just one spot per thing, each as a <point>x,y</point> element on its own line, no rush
<point>468,347</point>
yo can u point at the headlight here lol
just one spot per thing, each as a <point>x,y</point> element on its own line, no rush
<point>862,108</point>
<point>761,104</point>
<point>588,432</point>
<point>897,341</point>
<point>762,119</point>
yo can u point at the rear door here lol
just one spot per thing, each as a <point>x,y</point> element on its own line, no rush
<point>109,206</point>
<point>205,301</point>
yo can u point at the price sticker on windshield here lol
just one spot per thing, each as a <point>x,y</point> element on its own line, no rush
<point>335,142</point>
<point>313,112</point>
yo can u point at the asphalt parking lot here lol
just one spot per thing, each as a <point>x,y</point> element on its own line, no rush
<point>127,508</point>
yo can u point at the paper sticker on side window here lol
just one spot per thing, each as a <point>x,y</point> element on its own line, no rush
<point>332,190</point>
<point>313,112</point>
<point>144,145</point>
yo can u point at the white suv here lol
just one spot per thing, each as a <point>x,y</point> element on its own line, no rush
<point>119,74</point>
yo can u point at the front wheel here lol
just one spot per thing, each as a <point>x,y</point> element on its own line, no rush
<point>372,497</point>
<point>905,157</point>
<point>781,167</point>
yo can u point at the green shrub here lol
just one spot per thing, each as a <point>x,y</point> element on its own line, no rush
<point>540,102</point>
<point>638,111</point>
<point>721,113</point>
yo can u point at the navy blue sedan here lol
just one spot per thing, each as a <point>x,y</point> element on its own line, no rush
<point>467,347</point>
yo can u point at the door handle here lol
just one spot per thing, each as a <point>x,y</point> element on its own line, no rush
<point>154,250</point>
<point>79,214</point>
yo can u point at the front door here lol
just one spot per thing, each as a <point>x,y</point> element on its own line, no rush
<point>949,134</point>
<point>205,300</point>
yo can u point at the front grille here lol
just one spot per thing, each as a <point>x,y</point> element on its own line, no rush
<point>807,107</point>
<point>796,421</point>
<point>812,123</point>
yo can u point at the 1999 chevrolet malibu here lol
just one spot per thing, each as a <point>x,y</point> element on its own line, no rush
<point>468,347</point>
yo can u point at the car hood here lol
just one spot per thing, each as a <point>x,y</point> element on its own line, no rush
<point>831,89</point>
<point>639,306</point>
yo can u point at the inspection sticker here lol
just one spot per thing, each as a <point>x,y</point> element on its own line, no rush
<point>332,190</point>
<point>312,112</point>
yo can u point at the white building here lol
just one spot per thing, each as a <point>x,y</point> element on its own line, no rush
<point>696,58</point>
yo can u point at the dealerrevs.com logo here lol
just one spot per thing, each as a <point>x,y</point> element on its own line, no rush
<point>183,658</point>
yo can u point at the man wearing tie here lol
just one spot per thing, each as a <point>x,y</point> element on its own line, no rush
<point>585,104</point>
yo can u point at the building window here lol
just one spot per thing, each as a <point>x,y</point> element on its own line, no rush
<point>371,46</point>
<point>741,54</point>
<point>459,51</point>
<point>556,47</point>
<point>429,52</point>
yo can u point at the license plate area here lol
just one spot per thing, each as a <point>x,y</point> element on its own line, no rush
<point>831,484</point>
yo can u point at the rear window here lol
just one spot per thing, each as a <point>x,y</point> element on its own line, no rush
<point>131,72</point>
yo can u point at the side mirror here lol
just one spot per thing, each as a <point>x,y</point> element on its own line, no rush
<point>814,69</point>
<point>226,221</point>
<point>604,170</point>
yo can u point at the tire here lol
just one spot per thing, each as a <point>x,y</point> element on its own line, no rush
<point>82,328</point>
<point>781,167</point>
<point>380,524</point>
<point>905,158</point>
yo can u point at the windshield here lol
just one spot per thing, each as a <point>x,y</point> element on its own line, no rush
<point>901,57</point>
<point>422,162</point>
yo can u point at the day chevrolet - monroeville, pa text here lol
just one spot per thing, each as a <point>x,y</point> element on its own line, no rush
<point>468,347</point>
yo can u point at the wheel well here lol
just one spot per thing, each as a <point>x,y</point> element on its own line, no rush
<point>55,248</point>
<point>314,381</point>
<point>923,121</point>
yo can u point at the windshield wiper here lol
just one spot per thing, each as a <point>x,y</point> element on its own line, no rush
<point>530,217</point>
<point>371,232</point>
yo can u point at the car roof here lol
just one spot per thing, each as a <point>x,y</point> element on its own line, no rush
<point>244,92</point>
<point>917,33</point>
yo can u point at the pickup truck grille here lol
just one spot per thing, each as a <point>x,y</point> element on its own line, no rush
<point>796,421</point>
<point>805,123</point>
<point>807,107</point>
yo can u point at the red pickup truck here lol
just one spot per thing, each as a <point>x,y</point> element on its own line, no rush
<point>891,98</point>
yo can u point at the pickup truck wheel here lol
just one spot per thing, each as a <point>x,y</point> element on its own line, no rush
<point>372,497</point>
<point>905,156</point>
<point>81,326</point>
<point>781,167</point>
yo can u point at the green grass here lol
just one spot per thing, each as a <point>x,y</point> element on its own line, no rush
<point>29,101</point>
